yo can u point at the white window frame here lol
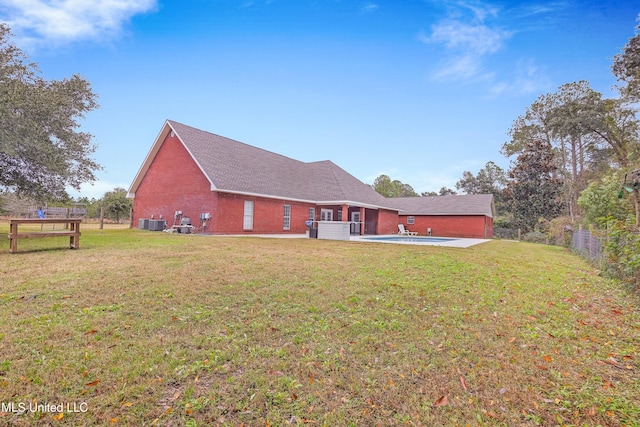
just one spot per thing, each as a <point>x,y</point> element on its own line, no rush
<point>247,223</point>
<point>312,214</point>
<point>326,214</point>
<point>287,218</point>
<point>411,220</point>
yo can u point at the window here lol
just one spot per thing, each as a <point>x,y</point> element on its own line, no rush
<point>287,217</point>
<point>312,214</point>
<point>326,215</point>
<point>248,215</point>
<point>411,220</point>
<point>339,214</point>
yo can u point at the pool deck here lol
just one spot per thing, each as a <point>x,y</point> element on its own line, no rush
<point>455,242</point>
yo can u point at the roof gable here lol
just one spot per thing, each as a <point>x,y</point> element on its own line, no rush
<point>233,166</point>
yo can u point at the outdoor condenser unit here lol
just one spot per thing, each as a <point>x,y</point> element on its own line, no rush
<point>143,224</point>
<point>157,224</point>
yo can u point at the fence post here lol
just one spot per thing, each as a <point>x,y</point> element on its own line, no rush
<point>101,217</point>
<point>519,234</point>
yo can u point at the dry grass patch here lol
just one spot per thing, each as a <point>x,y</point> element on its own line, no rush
<point>154,329</point>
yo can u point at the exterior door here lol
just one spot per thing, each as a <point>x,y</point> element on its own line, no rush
<point>326,215</point>
<point>355,223</point>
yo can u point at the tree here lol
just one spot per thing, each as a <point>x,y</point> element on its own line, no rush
<point>41,149</point>
<point>446,191</point>
<point>395,188</point>
<point>617,127</point>
<point>601,203</point>
<point>631,184</point>
<point>533,189</point>
<point>92,205</point>
<point>490,180</point>
<point>115,203</point>
<point>588,133</point>
<point>626,67</point>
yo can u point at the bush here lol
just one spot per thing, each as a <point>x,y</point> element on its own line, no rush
<point>559,231</point>
<point>535,237</point>
<point>623,252</point>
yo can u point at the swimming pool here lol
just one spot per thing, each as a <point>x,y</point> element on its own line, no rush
<point>414,239</point>
<point>394,239</point>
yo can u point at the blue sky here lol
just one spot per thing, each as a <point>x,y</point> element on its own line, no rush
<point>419,90</point>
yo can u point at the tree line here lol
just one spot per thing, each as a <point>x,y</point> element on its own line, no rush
<point>573,155</point>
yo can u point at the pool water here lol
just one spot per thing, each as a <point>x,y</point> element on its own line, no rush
<point>424,239</point>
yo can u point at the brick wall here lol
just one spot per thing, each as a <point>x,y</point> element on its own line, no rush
<point>472,226</point>
<point>387,222</point>
<point>268,215</point>
<point>173,182</point>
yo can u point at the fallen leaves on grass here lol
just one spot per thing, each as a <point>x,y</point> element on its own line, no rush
<point>464,383</point>
<point>441,401</point>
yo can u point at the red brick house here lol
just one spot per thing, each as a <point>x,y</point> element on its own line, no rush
<point>248,190</point>
<point>469,215</point>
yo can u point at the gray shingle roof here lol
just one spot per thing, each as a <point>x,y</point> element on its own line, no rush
<point>240,168</point>
<point>466,204</point>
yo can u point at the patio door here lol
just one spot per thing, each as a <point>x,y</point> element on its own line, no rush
<point>355,222</point>
<point>326,215</point>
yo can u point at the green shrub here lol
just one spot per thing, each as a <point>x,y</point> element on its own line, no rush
<point>535,237</point>
<point>622,249</point>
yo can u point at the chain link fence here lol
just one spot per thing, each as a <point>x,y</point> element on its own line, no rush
<point>588,244</point>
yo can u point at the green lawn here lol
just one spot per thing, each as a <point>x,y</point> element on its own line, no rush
<point>144,328</point>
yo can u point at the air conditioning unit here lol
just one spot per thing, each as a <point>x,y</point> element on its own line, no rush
<point>157,224</point>
<point>143,224</point>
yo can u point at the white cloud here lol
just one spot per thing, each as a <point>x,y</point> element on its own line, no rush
<point>478,39</point>
<point>370,7</point>
<point>480,10</point>
<point>468,44</point>
<point>528,80</point>
<point>62,21</point>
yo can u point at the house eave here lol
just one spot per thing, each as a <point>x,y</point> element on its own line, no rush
<point>315,202</point>
<point>266,196</point>
<point>355,204</point>
<point>412,213</point>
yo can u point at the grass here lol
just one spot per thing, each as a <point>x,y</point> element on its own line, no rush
<point>143,328</point>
